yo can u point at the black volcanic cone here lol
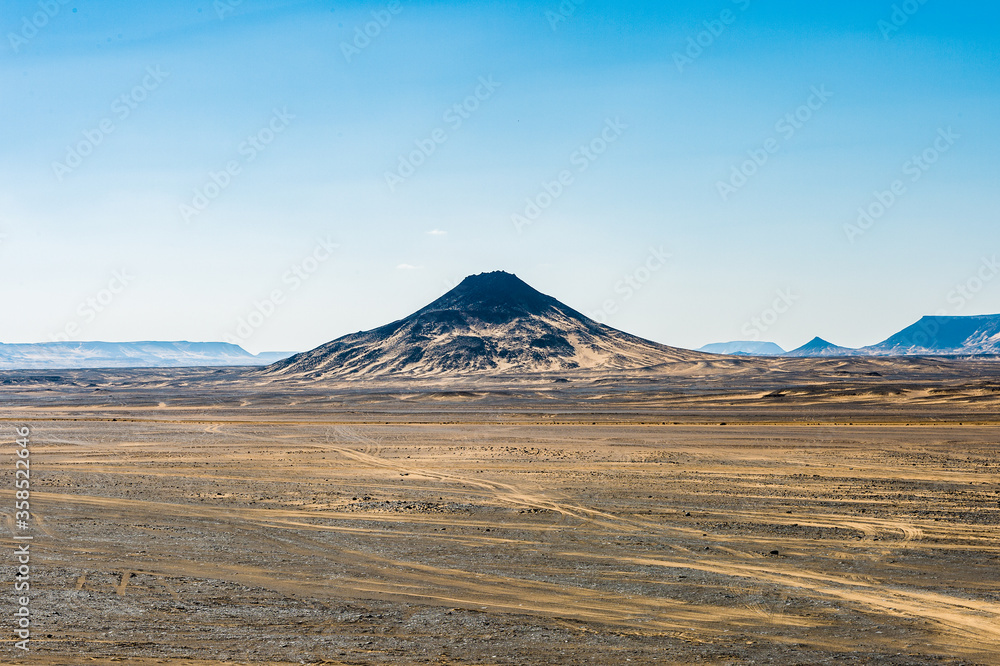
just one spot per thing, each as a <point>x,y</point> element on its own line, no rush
<point>491,322</point>
<point>495,298</point>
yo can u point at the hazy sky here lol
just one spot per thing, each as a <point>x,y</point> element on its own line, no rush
<point>690,172</point>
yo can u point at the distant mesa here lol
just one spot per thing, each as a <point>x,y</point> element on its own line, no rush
<point>939,335</point>
<point>743,348</point>
<point>79,355</point>
<point>818,347</point>
<point>490,323</point>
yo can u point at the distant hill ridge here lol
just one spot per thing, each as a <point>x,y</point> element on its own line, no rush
<point>491,322</point>
<point>743,348</point>
<point>73,355</point>
<point>943,335</point>
<point>933,335</point>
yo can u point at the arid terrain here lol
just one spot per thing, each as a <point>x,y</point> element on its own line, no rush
<point>743,511</point>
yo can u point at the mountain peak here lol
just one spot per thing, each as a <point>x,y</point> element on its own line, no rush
<point>494,279</point>
<point>820,347</point>
<point>491,322</point>
<point>492,297</point>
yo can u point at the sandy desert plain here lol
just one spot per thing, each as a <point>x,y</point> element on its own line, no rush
<point>747,511</point>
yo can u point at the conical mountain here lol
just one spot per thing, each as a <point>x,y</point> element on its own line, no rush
<point>490,323</point>
<point>820,347</point>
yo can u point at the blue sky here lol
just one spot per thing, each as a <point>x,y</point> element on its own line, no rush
<point>291,121</point>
